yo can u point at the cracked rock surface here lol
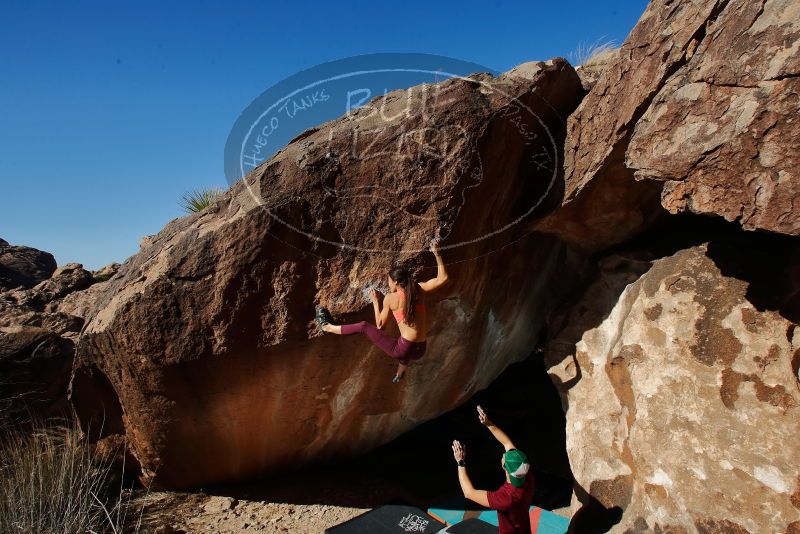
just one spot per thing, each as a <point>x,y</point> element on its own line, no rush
<point>683,395</point>
<point>697,112</point>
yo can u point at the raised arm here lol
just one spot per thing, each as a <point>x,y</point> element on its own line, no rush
<point>441,272</point>
<point>469,491</point>
<point>498,434</point>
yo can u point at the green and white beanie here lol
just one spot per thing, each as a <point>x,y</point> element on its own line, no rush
<point>516,463</point>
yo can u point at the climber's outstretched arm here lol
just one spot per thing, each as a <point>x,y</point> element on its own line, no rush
<point>441,272</point>
<point>498,434</point>
<point>469,491</point>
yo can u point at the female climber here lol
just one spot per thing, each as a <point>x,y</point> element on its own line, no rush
<point>406,301</point>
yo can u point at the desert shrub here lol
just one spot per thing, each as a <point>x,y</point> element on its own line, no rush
<point>199,199</point>
<point>51,482</point>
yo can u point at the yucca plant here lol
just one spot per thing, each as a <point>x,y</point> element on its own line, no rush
<point>51,483</point>
<point>199,199</point>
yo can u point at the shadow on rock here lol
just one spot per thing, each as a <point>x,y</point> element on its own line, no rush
<point>418,467</point>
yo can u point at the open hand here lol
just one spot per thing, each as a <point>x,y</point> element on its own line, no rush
<point>483,418</point>
<point>373,295</point>
<point>459,452</point>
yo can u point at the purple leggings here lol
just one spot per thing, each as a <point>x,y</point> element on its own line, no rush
<point>397,347</point>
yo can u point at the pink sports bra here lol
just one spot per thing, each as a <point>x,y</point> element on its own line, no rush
<point>400,313</point>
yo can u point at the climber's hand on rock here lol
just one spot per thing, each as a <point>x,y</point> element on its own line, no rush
<point>483,418</point>
<point>435,246</point>
<point>459,452</point>
<point>373,295</point>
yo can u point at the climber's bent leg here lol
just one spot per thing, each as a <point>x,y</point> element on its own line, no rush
<point>399,348</point>
<point>379,338</point>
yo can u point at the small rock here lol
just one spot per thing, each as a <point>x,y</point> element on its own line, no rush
<point>104,273</point>
<point>219,504</point>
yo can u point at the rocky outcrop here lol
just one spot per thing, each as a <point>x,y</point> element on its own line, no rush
<point>725,123</point>
<point>46,295</point>
<point>682,390</point>
<point>23,266</point>
<point>80,302</point>
<point>592,69</point>
<point>37,342</point>
<point>679,376</point>
<point>696,113</point>
<point>202,345</point>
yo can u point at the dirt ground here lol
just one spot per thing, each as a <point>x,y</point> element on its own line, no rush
<point>205,514</point>
<point>198,513</point>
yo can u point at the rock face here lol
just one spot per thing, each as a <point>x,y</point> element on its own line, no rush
<point>37,342</point>
<point>679,376</point>
<point>591,69</point>
<point>201,350</point>
<point>80,302</point>
<point>725,123</point>
<point>697,112</point>
<point>35,365</point>
<point>682,392</point>
<point>23,266</point>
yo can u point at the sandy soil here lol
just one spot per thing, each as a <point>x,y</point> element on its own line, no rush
<point>198,513</point>
<point>174,513</point>
<point>306,502</point>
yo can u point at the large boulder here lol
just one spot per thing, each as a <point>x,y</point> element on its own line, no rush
<point>696,112</point>
<point>203,342</point>
<point>680,380</point>
<point>23,266</point>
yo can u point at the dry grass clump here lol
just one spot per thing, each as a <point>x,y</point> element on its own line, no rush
<point>588,54</point>
<point>51,482</point>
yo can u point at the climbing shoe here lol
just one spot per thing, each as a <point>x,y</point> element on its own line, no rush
<point>322,317</point>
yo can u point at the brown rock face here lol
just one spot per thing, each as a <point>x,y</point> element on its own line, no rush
<point>35,366</point>
<point>591,70</point>
<point>721,132</point>
<point>202,343</point>
<point>697,111</point>
<point>683,401</point>
<point>80,302</point>
<point>37,344</point>
<point>23,266</point>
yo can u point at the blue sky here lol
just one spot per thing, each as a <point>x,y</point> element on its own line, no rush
<point>110,111</point>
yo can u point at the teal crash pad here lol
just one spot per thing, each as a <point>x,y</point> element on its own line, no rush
<point>542,521</point>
